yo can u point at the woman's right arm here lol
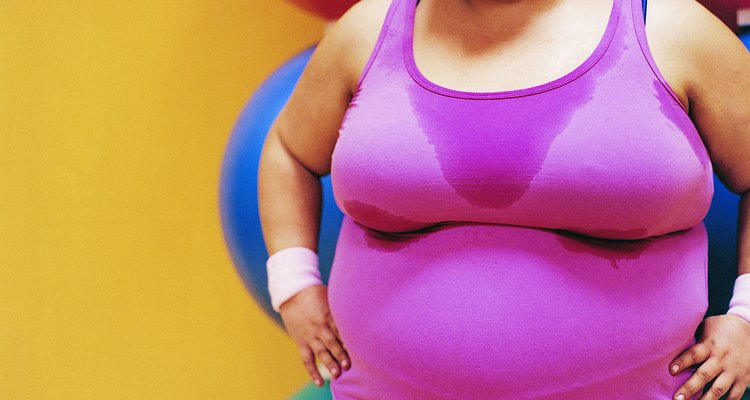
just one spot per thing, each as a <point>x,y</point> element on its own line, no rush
<point>299,145</point>
<point>297,152</point>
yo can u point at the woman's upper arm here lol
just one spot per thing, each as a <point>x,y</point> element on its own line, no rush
<point>308,124</point>
<point>718,86</point>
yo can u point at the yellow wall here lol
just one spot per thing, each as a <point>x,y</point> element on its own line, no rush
<point>115,282</point>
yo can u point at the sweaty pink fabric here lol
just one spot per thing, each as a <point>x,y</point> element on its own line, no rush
<point>541,243</point>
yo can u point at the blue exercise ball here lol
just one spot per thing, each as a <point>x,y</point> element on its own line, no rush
<point>721,225</point>
<point>239,186</point>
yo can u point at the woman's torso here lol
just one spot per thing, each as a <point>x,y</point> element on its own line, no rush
<point>539,242</point>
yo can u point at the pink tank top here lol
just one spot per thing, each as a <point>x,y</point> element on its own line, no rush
<point>536,243</point>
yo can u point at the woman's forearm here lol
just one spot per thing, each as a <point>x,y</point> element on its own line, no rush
<point>289,199</point>
<point>743,235</point>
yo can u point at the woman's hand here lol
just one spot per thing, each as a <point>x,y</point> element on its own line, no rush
<point>308,321</point>
<point>724,351</point>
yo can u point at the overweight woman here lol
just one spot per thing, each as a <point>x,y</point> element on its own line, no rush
<point>524,184</point>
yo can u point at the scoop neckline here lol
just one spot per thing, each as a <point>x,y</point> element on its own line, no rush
<point>590,61</point>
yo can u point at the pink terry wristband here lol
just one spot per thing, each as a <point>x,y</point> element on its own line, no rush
<point>740,303</point>
<point>289,271</point>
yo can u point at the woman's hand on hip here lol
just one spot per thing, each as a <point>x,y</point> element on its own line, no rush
<point>308,321</point>
<point>724,354</point>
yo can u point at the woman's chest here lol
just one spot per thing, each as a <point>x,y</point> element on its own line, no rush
<point>573,156</point>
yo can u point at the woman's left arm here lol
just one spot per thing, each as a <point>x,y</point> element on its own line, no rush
<point>717,82</point>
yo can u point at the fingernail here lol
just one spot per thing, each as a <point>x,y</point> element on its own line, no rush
<point>345,363</point>
<point>317,382</point>
<point>680,397</point>
<point>333,371</point>
<point>675,368</point>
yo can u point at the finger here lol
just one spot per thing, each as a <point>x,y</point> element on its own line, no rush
<point>704,374</point>
<point>331,341</point>
<point>333,326</point>
<point>737,390</point>
<point>720,386</point>
<point>335,329</point>
<point>694,354</point>
<point>308,358</point>
<point>325,357</point>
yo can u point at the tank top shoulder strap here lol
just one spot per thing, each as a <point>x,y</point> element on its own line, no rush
<point>387,50</point>
<point>637,18</point>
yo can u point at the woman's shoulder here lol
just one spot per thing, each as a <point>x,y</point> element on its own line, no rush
<point>690,42</point>
<point>357,31</point>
